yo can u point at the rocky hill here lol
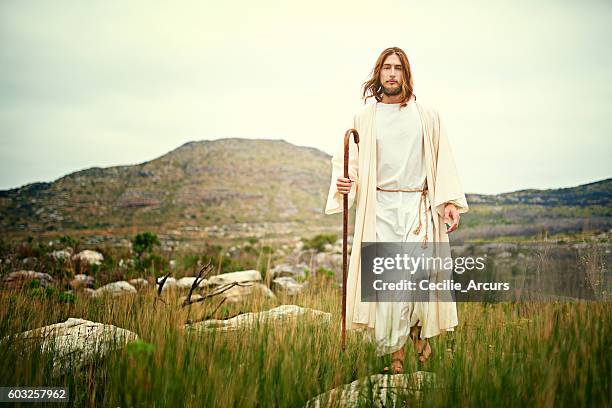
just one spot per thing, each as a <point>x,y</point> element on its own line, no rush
<point>597,193</point>
<point>248,187</point>
<point>199,183</point>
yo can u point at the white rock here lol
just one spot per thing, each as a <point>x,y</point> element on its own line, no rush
<point>115,289</point>
<point>288,285</point>
<point>240,293</point>
<point>378,390</point>
<point>82,281</point>
<point>169,284</point>
<point>89,256</point>
<point>16,280</point>
<point>293,271</point>
<point>62,254</point>
<point>279,315</point>
<point>139,283</point>
<point>77,341</point>
<point>187,282</point>
<point>240,277</point>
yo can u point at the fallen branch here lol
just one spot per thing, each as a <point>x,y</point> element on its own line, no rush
<point>218,292</point>
<point>206,269</point>
<point>160,285</point>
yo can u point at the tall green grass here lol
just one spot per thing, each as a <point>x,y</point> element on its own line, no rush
<point>521,354</point>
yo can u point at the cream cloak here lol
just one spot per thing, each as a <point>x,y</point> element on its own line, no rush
<point>443,187</point>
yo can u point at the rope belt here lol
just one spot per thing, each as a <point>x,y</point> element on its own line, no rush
<point>422,203</point>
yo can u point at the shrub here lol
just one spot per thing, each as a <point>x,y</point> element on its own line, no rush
<point>318,242</point>
<point>144,243</point>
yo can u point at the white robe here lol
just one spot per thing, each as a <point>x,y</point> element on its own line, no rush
<point>400,165</point>
<point>443,187</point>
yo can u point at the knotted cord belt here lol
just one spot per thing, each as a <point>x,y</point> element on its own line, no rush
<point>422,203</point>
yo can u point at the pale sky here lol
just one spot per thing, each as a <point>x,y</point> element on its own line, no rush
<point>525,87</point>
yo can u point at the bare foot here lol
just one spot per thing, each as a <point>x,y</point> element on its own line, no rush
<point>397,362</point>
<point>426,352</point>
<point>418,343</point>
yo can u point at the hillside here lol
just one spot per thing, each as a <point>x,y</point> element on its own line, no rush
<point>199,183</point>
<point>245,187</point>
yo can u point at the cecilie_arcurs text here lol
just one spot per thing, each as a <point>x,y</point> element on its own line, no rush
<point>446,285</point>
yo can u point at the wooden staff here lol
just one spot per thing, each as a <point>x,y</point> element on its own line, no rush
<point>345,216</point>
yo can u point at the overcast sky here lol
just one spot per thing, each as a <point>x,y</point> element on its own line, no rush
<point>524,86</point>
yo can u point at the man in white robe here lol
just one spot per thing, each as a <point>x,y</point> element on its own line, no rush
<point>391,150</point>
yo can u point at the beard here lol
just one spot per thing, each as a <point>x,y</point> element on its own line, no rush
<point>391,91</point>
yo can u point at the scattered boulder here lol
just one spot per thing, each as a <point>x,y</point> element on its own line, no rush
<point>169,284</point>
<point>115,289</point>
<point>288,285</point>
<point>293,271</point>
<point>187,282</point>
<point>90,257</point>
<point>279,315</point>
<point>239,293</point>
<point>60,255</point>
<point>378,390</point>
<point>88,292</point>
<point>328,260</point>
<point>81,281</point>
<point>77,341</point>
<point>16,280</point>
<point>194,298</point>
<point>240,277</point>
<point>139,283</point>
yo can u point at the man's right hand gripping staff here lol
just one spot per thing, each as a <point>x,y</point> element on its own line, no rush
<point>339,186</point>
<point>344,185</point>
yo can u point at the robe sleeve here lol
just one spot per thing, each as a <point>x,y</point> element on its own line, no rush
<point>448,187</point>
<point>335,198</point>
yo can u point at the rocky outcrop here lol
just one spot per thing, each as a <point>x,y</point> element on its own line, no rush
<point>288,285</point>
<point>61,254</point>
<point>291,271</point>
<point>378,390</point>
<point>169,284</point>
<point>82,281</point>
<point>139,283</point>
<point>90,257</point>
<point>187,282</point>
<point>247,289</point>
<point>76,341</point>
<point>281,315</point>
<point>16,280</point>
<point>240,277</point>
<point>115,289</point>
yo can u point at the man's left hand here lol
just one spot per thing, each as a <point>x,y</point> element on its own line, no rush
<point>451,216</point>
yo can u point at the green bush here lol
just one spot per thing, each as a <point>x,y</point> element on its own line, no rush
<point>144,242</point>
<point>69,242</point>
<point>318,241</point>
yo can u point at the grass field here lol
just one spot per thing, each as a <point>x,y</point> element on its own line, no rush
<point>521,354</point>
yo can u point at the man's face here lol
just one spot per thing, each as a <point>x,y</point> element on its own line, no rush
<point>391,75</point>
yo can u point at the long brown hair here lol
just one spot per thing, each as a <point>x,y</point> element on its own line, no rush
<point>373,88</point>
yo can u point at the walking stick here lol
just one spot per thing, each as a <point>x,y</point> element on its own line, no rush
<point>345,215</point>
